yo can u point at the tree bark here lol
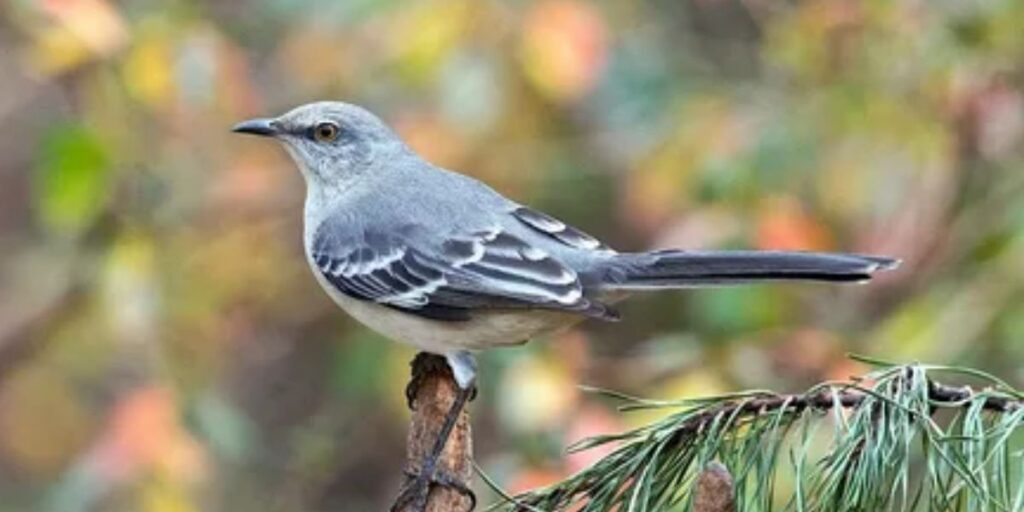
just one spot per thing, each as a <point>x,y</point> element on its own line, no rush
<point>435,394</point>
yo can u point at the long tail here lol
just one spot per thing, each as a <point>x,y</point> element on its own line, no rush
<point>681,269</point>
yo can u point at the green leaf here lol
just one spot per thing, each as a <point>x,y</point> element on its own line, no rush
<point>72,177</point>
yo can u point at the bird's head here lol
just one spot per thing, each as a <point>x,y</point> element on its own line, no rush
<point>331,142</point>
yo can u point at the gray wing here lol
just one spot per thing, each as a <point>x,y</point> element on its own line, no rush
<point>559,231</point>
<point>449,279</point>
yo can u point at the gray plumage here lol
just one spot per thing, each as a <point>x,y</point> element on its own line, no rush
<point>443,262</point>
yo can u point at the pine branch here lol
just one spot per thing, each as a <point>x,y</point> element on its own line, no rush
<point>900,440</point>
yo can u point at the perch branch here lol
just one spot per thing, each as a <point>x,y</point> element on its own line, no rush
<point>435,392</point>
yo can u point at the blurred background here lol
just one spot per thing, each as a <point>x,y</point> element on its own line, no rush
<point>164,348</point>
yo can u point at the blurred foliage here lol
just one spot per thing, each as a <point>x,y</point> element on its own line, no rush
<point>72,177</point>
<point>172,352</point>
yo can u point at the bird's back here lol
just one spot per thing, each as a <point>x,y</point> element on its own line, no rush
<point>442,203</point>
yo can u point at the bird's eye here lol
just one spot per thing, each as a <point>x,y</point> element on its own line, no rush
<point>325,132</point>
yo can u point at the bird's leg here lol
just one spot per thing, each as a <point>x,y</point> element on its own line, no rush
<point>416,492</point>
<point>463,369</point>
<point>426,363</point>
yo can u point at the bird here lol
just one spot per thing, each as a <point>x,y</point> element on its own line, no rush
<point>443,262</point>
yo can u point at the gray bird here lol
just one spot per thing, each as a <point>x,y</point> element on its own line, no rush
<point>443,262</point>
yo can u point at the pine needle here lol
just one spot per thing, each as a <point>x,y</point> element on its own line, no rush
<point>899,441</point>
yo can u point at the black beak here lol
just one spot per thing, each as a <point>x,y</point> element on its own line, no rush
<point>262,127</point>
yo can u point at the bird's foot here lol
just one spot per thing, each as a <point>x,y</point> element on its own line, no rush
<point>425,364</point>
<point>414,495</point>
<point>422,365</point>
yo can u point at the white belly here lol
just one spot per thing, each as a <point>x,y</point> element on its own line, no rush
<point>486,329</point>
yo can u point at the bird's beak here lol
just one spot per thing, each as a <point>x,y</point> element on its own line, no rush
<point>262,127</point>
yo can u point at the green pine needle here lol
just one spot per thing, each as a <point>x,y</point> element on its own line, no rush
<point>894,440</point>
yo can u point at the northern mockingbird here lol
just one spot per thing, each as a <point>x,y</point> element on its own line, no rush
<point>443,262</point>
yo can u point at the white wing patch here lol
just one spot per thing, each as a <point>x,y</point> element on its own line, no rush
<point>349,268</point>
<point>558,230</point>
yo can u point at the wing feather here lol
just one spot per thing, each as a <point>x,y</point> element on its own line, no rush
<point>558,230</point>
<point>448,280</point>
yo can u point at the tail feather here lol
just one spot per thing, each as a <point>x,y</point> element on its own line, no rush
<point>680,269</point>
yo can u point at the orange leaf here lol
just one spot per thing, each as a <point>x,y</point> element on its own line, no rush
<point>564,48</point>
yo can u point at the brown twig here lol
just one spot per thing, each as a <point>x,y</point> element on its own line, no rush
<point>435,394</point>
<point>939,394</point>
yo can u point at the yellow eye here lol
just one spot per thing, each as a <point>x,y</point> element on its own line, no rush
<point>325,132</point>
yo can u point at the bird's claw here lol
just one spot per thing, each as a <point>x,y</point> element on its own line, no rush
<point>422,365</point>
<point>411,389</point>
<point>417,490</point>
